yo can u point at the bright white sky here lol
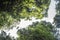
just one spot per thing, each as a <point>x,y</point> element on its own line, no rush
<point>25,23</point>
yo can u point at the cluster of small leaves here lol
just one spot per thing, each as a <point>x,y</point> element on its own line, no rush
<point>16,9</point>
<point>3,36</point>
<point>5,18</point>
<point>32,8</point>
<point>57,18</point>
<point>11,10</point>
<point>58,7</point>
<point>37,31</point>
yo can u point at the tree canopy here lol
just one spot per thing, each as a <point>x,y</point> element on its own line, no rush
<point>37,31</point>
<point>14,10</point>
<point>11,10</point>
<point>57,19</point>
<point>4,36</point>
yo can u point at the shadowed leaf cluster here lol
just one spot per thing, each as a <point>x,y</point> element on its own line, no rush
<point>12,10</point>
<point>37,31</point>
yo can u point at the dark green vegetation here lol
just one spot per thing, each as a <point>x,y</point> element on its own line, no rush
<point>57,16</point>
<point>3,36</point>
<point>57,19</point>
<point>37,31</point>
<point>11,10</point>
<point>58,7</point>
<point>14,10</point>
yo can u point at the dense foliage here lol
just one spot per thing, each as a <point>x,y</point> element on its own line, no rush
<point>37,31</point>
<point>11,10</point>
<point>58,7</point>
<point>57,20</point>
<point>4,36</point>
